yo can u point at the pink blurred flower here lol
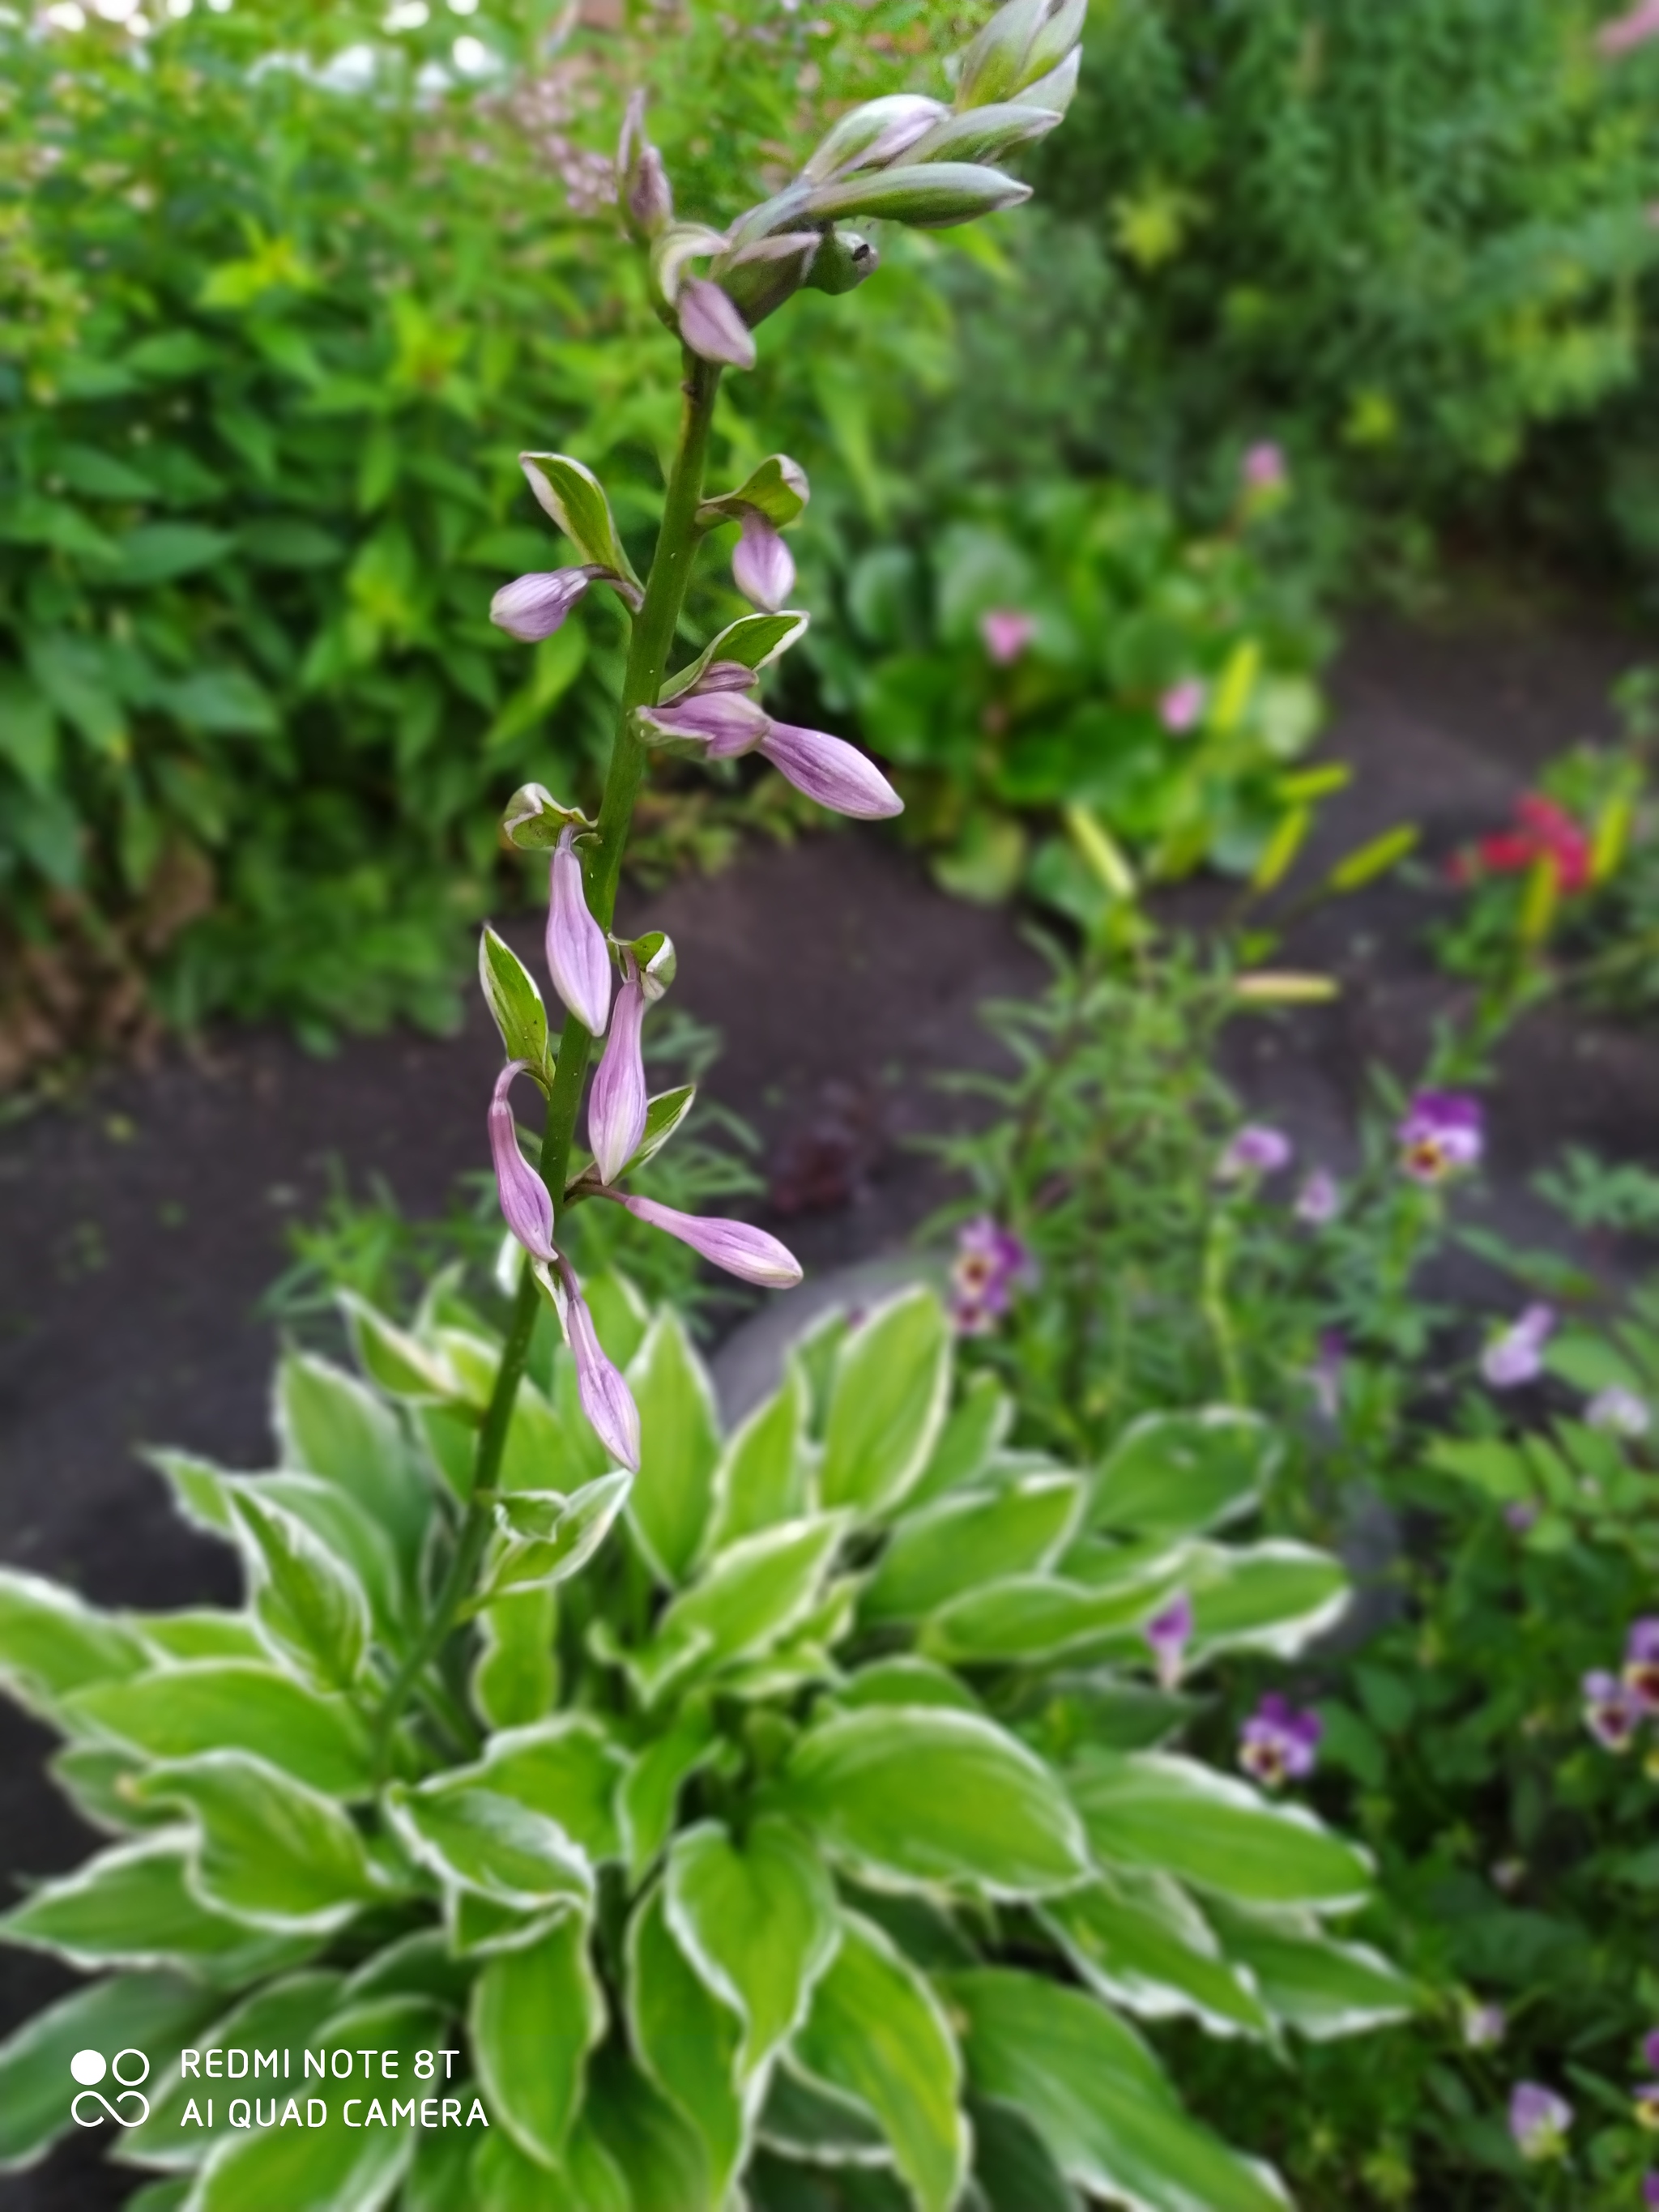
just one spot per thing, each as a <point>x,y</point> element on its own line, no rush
<point>1628,31</point>
<point>1006,634</point>
<point>1264,467</point>
<point>1182,705</point>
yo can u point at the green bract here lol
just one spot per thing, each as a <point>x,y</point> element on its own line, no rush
<point>767,1829</point>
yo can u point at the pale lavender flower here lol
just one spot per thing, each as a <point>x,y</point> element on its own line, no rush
<point>1169,1633</point>
<point>577,957</point>
<point>1179,708</point>
<point>534,607</point>
<point>1612,1711</point>
<point>1325,1375</point>
<point>837,774</point>
<point>1628,31</point>
<point>1441,1135</point>
<point>1005,634</point>
<point>1538,2121</point>
<point>748,1253</point>
<point>1278,1743</point>
<point>1264,468</point>
<point>711,326</point>
<point>1642,1664</point>
<point>606,1397</point>
<point>1520,1514</point>
<point>616,1104</point>
<point>526,1204</point>
<point>762,566</point>
<point>1517,1355</point>
<point>1257,1150</point>
<point>1651,2191</point>
<point>991,1263</point>
<point>1484,2026</point>
<point>1650,2051</point>
<point>1619,1411</point>
<point>1320,1200</point>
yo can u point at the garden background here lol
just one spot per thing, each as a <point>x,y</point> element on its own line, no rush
<point>1242,559</point>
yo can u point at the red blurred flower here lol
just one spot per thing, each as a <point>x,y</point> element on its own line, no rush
<point>1543,831</point>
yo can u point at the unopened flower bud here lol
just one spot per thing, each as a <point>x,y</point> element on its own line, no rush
<point>873,135</point>
<point>931,195</point>
<point>728,722</point>
<point>617,1104</point>
<point>725,676</point>
<point>832,772</point>
<point>526,1203</point>
<point>748,1253</point>
<point>606,1397</point>
<point>643,186</point>
<point>533,607</point>
<point>711,326</point>
<point>762,566</point>
<point>578,959</point>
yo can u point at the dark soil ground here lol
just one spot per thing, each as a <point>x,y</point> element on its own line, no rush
<point>143,1223</point>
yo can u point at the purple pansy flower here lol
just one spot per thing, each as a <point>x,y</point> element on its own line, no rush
<point>1181,705</point>
<point>1278,1743</point>
<point>1517,1355</point>
<point>1642,1664</point>
<point>1612,1711</point>
<point>1619,1411</point>
<point>991,1264</point>
<point>1538,2121</point>
<point>1169,1633</point>
<point>1005,634</point>
<point>1441,1135</point>
<point>1257,1150</point>
<point>1320,1198</point>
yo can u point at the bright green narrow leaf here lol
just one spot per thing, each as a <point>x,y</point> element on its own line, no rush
<point>227,1704</point>
<point>753,1593</point>
<point>480,1840</point>
<point>333,2168</point>
<point>545,1537</point>
<point>1273,1597</point>
<point>887,1400</point>
<point>929,1795</point>
<point>133,1905</point>
<point>905,1680</point>
<point>400,1364</point>
<point>686,2040</point>
<point>328,1424</point>
<point>777,488</point>
<point>334,1517</point>
<point>1140,1941</point>
<point>757,1921</point>
<point>1320,1988</point>
<point>876,2032</point>
<point>588,2179</point>
<point>576,499</point>
<point>1174,1474</point>
<point>663,1116</point>
<point>128,2011</point>
<point>567,1769</point>
<point>306,1599</point>
<point>514,1000</point>
<point>52,1642</point>
<point>1031,1617</point>
<point>515,1677</point>
<point>1153,1810</point>
<point>1369,861</point>
<point>1098,2098</point>
<point>660,2153</point>
<point>651,1790</point>
<point>673,1491</point>
<point>536,2014</point>
<point>975,1429</point>
<point>275,1853</point>
<point>967,1539</point>
<point>761,1476</point>
<point>199,1633</point>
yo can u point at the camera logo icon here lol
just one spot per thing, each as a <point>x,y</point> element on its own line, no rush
<point>127,2069</point>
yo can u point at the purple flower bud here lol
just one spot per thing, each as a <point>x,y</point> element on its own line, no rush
<point>578,959</point>
<point>762,566</point>
<point>1441,1135</point>
<point>1278,1743</point>
<point>748,1253</point>
<point>711,326</point>
<point>1181,705</point>
<point>725,676</point>
<point>1517,1355</point>
<point>616,1104</point>
<point>727,722</point>
<point>1263,468</point>
<point>833,772</point>
<point>1612,1711</point>
<point>1619,1411</point>
<point>1006,635</point>
<point>535,606</point>
<point>1650,2051</point>
<point>1484,2026</point>
<point>1169,1633</point>
<point>647,195</point>
<point>526,1204</point>
<point>1642,1664</point>
<point>1318,1201</point>
<point>1538,2121</point>
<point>606,1397</point>
<point>1257,1149</point>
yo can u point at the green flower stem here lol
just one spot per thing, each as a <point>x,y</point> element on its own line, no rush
<point>653,639</point>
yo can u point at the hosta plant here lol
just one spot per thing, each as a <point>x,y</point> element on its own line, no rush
<point>795,1824</point>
